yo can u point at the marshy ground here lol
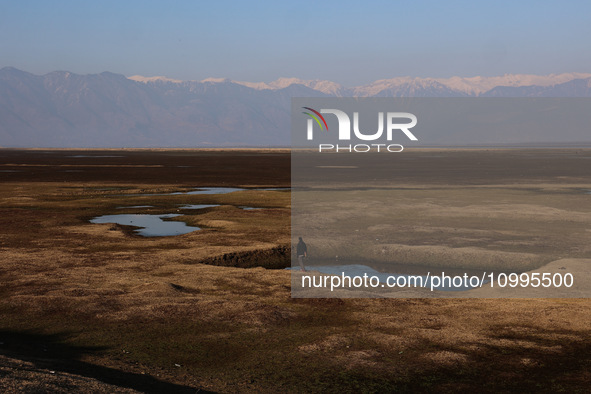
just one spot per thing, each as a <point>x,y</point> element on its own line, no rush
<point>95,307</point>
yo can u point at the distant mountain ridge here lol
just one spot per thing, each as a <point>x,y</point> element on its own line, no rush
<point>472,86</point>
<point>63,109</point>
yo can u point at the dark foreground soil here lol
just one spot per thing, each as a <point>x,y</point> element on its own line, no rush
<point>163,167</point>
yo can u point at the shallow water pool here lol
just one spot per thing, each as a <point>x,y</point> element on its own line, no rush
<point>149,225</point>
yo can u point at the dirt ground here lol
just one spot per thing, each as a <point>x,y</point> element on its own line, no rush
<point>96,308</point>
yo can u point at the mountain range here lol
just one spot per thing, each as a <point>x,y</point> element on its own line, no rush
<point>63,109</point>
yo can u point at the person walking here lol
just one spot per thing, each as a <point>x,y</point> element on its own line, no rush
<point>302,252</point>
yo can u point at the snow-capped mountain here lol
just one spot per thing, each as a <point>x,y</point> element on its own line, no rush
<point>63,109</point>
<point>139,78</point>
<point>472,86</point>
<point>403,86</point>
<point>327,87</point>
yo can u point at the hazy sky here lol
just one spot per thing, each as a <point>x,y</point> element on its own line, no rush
<point>348,42</point>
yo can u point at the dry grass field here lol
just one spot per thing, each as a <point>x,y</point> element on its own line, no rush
<point>97,308</point>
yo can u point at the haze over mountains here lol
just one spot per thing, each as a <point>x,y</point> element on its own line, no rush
<point>474,86</point>
<point>63,109</point>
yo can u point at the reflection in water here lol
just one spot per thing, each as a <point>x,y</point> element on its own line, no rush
<point>150,225</point>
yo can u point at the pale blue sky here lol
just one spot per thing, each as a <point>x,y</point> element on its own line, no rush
<point>348,42</point>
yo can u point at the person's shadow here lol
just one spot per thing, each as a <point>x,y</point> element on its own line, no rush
<point>49,352</point>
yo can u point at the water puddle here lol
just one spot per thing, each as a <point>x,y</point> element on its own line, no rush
<point>209,190</point>
<point>203,206</point>
<point>198,206</point>
<point>81,156</point>
<point>155,226</point>
<point>137,206</point>
<point>150,225</point>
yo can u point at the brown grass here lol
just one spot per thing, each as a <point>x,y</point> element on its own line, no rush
<point>145,305</point>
